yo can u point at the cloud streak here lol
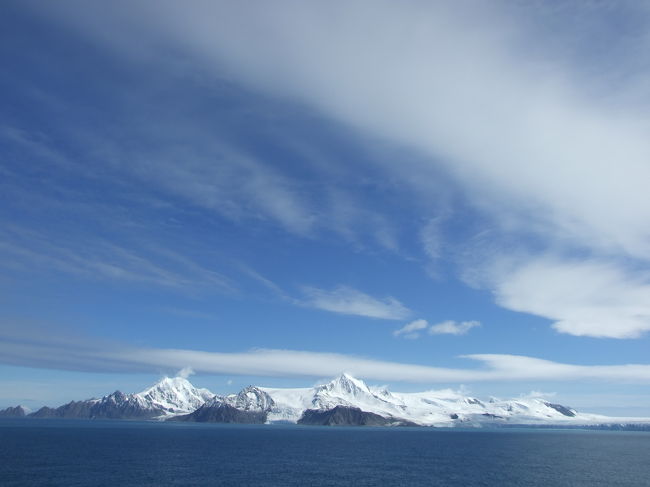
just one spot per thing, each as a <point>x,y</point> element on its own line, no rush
<point>450,327</point>
<point>349,301</point>
<point>412,330</point>
<point>96,258</point>
<point>94,356</point>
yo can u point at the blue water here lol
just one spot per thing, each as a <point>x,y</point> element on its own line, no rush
<point>61,452</point>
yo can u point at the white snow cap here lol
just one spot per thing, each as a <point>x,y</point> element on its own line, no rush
<point>176,395</point>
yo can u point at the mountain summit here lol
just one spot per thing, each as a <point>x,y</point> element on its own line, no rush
<point>175,395</point>
<point>345,384</point>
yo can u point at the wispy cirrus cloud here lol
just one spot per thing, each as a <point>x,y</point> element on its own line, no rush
<point>96,258</point>
<point>548,144</point>
<point>555,129</point>
<point>228,181</point>
<point>412,330</point>
<point>203,170</point>
<point>350,301</point>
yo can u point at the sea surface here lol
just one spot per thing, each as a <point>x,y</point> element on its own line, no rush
<point>88,453</point>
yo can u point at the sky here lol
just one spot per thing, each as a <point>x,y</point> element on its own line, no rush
<point>422,194</point>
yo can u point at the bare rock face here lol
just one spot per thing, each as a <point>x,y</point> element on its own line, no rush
<point>167,397</point>
<point>562,409</point>
<point>250,406</point>
<point>74,409</point>
<point>222,413</point>
<point>114,406</point>
<point>347,416</point>
<point>13,412</point>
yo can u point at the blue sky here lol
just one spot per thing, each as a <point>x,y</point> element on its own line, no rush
<point>422,195</point>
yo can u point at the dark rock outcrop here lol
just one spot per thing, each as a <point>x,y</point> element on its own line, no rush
<point>122,406</point>
<point>114,406</point>
<point>13,412</point>
<point>562,409</point>
<point>74,409</point>
<point>347,416</point>
<point>223,413</point>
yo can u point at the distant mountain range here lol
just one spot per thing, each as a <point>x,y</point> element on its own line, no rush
<point>343,401</point>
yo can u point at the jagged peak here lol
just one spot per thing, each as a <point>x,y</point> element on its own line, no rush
<point>250,388</point>
<point>346,383</point>
<point>382,391</point>
<point>174,394</point>
<point>216,400</point>
<point>254,391</point>
<point>117,394</point>
<point>250,398</point>
<point>171,383</point>
<point>15,411</point>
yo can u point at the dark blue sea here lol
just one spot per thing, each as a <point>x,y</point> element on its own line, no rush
<point>88,453</point>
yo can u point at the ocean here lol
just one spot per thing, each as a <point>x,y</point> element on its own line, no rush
<point>89,453</point>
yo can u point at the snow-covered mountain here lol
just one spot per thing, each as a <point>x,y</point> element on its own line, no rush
<point>250,405</point>
<point>344,400</point>
<point>174,395</point>
<point>169,397</point>
<point>250,398</point>
<point>431,408</point>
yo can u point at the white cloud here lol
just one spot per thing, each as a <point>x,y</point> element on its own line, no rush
<point>511,127</point>
<point>539,145</point>
<point>539,394</point>
<point>410,330</point>
<point>349,301</point>
<point>453,327</point>
<point>185,372</point>
<point>449,327</point>
<point>36,351</point>
<point>517,367</point>
<point>582,297</point>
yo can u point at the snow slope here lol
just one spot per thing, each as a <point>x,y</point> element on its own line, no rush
<point>174,396</point>
<point>431,408</point>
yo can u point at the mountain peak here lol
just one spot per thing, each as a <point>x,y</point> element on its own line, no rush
<point>251,398</point>
<point>173,383</point>
<point>175,394</point>
<point>15,412</point>
<point>346,383</point>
